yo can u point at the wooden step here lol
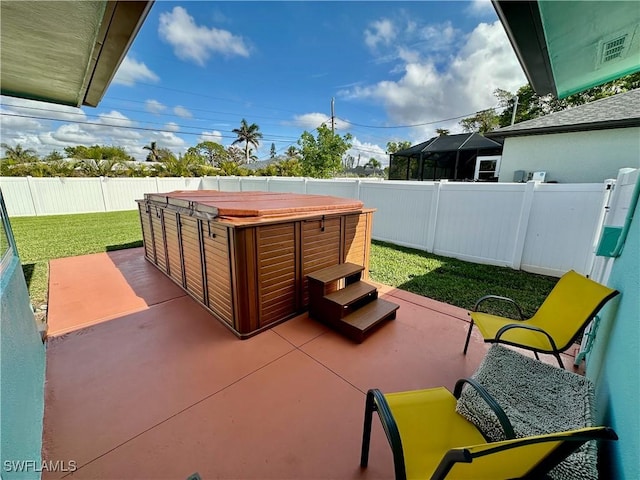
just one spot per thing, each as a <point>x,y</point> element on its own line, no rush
<point>352,294</point>
<point>335,272</point>
<point>364,320</point>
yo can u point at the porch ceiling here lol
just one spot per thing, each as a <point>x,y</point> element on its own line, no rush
<point>65,52</point>
<point>566,47</point>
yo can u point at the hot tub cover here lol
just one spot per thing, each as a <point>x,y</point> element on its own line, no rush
<point>254,204</point>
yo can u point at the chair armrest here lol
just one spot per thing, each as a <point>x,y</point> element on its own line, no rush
<point>504,299</point>
<point>390,429</point>
<point>491,402</point>
<point>511,326</point>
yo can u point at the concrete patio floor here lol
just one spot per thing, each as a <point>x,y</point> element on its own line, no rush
<point>142,382</point>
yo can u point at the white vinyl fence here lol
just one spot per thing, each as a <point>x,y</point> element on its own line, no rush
<point>537,227</point>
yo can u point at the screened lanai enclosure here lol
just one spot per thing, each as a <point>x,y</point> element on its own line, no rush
<point>450,157</point>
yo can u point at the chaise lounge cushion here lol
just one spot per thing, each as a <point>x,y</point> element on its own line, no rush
<point>538,399</point>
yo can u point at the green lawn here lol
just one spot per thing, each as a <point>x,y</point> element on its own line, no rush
<point>459,283</point>
<point>454,281</point>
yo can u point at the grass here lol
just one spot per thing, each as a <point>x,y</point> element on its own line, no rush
<point>40,239</point>
<point>459,283</point>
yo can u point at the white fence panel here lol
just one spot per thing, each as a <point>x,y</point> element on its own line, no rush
<point>209,183</point>
<point>338,188</point>
<point>402,211</point>
<point>254,184</point>
<point>122,193</point>
<point>229,184</point>
<point>17,196</point>
<point>478,222</point>
<point>288,185</point>
<point>58,196</point>
<point>561,229</point>
<point>169,184</point>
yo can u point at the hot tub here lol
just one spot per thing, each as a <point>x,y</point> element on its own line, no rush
<point>245,256</point>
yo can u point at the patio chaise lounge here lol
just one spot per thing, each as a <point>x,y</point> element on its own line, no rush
<point>572,304</point>
<point>428,437</point>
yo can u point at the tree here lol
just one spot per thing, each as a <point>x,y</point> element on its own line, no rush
<point>482,122</point>
<point>212,152</point>
<point>292,152</point>
<point>100,168</point>
<point>441,132</point>
<point>249,135</point>
<point>322,156</point>
<point>531,105</point>
<point>53,156</point>
<point>98,152</point>
<point>393,147</point>
<point>373,164</point>
<point>18,154</point>
<point>153,152</point>
<point>272,154</point>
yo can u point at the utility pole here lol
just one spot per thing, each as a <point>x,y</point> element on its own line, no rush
<point>515,107</point>
<point>333,115</point>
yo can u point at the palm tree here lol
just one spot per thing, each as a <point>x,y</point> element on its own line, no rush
<point>249,135</point>
<point>373,163</point>
<point>292,152</point>
<point>18,154</point>
<point>154,154</point>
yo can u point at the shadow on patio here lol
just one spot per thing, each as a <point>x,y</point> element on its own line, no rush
<point>142,382</point>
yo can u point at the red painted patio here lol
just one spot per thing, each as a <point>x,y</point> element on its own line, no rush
<point>142,382</point>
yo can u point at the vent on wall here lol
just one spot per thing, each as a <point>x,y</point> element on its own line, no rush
<point>614,47</point>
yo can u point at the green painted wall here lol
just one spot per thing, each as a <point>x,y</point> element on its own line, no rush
<point>615,360</point>
<point>22,370</point>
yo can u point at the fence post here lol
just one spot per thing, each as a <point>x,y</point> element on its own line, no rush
<point>433,217</point>
<point>523,224</point>
<point>32,191</point>
<point>103,190</point>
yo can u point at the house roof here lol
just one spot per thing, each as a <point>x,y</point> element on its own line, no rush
<point>450,143</point>
<point>617,111</point>
<point>65,52</point>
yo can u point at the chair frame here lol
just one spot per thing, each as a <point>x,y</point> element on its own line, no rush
<point>376,402</point>
<point>519,323</point>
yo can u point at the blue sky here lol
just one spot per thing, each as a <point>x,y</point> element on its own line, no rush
<point>197,68</point>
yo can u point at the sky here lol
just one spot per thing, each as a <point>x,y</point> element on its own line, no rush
<point>397,71</point>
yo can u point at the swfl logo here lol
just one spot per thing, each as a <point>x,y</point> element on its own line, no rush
<point>38,466</point>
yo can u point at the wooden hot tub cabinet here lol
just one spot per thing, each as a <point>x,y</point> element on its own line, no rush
<point>245,255</point>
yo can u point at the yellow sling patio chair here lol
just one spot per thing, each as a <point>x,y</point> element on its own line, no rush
<point>429,439</point>
<point>572,304</point>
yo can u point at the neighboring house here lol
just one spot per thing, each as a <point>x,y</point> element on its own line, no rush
<point>584,144</point>
<point>450,157</point>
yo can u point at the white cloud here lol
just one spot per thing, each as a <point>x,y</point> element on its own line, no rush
<point>154,106</point>
<point>311,121</point>
<point>34,108</point>
<point>181,111</point>
<point>172,126</point>
<point>428,93</point>
<point>74,134</point>
<point>213,136</point>
<point>480,8</point>
<point>381,31</point>
<point>131,71</point>
<point>367,151</point>
<point>197,43</point>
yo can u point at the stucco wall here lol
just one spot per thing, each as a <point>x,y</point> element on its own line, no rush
<point>22,370</point>
<point>575,157</point>
<point>615,359</point>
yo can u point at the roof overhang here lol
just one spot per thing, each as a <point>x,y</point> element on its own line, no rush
<point>65,52</point>
<point>566,47</point>
<point>581,127</point>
